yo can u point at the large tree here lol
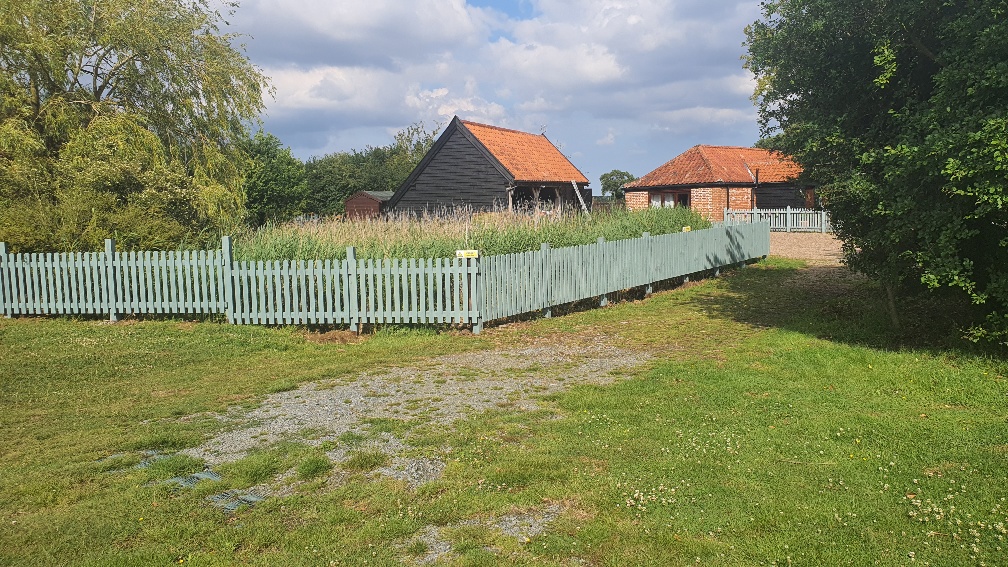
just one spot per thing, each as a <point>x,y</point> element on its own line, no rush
<point>613,182</point>
<point>275,187</point>
<point>334,177</point>
<point>900,110</point>
<point>113,106</point>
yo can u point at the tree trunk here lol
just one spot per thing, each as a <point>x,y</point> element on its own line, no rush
<point>891,305</point>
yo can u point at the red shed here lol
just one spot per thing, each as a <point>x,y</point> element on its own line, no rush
<point>367,204</point>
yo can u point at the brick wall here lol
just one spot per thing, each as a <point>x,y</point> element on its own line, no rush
<point>740,198</point>
<point>708,201</point>
<point>701,201</point>
<point>636,200</point>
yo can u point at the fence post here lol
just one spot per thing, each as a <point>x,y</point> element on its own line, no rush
<point>822,221</point>
<point>476,296</point>
<point>353,289</point>
<point>111,291</point>
<point>545,280</point>
<point>650,263</point>
<point>604,300</point>
<point>227,274</point>
<point>787,218</point>
<point>7,311</point>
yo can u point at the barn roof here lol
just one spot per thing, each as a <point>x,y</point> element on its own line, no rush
<point>381,196</point>
<point>528,157</point>
<point>721,164</point>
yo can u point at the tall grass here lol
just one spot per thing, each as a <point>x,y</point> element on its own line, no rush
<point>440,235</point>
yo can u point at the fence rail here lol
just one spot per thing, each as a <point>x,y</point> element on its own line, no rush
<point>355,291</point>
<point>783,220</point>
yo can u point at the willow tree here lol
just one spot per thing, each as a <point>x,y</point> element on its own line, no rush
<point>900,110</point>
<point>114,112</point>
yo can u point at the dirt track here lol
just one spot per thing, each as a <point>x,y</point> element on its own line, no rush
<point>817,248</point>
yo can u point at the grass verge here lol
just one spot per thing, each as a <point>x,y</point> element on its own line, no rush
<point>782,422</point>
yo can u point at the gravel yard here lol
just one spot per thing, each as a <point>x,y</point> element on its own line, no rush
<point>440,390</point>
<point>817,248</point>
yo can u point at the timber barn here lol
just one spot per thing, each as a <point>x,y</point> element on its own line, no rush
<point>491,168</point>
<point>713,178</point>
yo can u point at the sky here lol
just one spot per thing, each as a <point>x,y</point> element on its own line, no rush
<point>615,84</point>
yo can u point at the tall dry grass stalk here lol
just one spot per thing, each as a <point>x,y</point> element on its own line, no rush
<point>440,234</point>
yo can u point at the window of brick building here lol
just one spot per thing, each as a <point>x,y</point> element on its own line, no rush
<point>670,199</point>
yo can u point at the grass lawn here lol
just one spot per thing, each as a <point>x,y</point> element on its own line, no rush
<point>779,422</point>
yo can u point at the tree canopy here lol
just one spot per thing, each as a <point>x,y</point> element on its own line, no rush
<point>613,182</point>
<point>334,177</point>
<point>900,110</point>
<point>275,186</point>
<point>112,110</point>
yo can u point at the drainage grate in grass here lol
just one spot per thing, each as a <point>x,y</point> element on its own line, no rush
<point>190,481</point>
<point>231,500</point>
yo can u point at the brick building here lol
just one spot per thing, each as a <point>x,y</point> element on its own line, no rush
<point>710,179</point>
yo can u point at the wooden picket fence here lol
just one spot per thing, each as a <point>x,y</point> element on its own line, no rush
<point>783,220</point>
<point>462,291</point>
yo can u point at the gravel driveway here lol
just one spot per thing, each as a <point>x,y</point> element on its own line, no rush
<point>817,248</point>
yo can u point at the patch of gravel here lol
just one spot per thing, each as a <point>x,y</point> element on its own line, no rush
<point>522,526</point>
<point>816,248</point>
<point>526,525</point>
<point>415,472</point>
<point>439,390</point>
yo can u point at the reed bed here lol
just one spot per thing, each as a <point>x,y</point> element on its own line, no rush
<point>440,235</point>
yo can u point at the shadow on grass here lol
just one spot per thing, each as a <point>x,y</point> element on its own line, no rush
<point>833,303</point>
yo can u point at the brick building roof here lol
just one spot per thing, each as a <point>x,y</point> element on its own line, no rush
<point>721,164</point>
<point>529,157</point>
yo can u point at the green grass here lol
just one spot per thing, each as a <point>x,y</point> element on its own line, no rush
<point>781,421</point>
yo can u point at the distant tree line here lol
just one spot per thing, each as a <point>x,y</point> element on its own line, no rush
<point>279,187</point>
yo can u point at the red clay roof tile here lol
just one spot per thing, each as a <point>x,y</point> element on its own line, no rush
<point>721,164</point>
<point>528,157</point>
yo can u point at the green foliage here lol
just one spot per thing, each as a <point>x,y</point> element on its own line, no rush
<point>613,182</point>
<point>333,178</point>
<point>113,111</point>
<point>366,460</point>
<point>314,466</point>
<point>440,236</point>
<point>275,188</point>
<point>908,136</point>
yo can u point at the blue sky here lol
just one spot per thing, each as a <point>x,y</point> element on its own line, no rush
<point>616,84</point>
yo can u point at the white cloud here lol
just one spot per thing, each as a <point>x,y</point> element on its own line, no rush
<point>618,80</point>
<point>565,66</point>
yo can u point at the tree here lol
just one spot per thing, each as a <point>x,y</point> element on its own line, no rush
<point>333,178</point>
<point>613,182</point>
<point>900,110</point>
<point>275,187</point>
<point>146,101</point>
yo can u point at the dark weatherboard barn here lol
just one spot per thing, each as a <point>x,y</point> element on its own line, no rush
<point>487,168</point>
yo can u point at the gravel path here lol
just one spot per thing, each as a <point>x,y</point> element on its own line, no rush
<point>817,248</point>
<point>439,390</point>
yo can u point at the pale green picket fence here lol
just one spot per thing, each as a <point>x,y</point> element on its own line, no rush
<point>783,220</point>
<point>360,291</point>
<point>513,284</point>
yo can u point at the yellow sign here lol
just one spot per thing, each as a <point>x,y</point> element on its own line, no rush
<point>467,253</point>
<point>687,228</point>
